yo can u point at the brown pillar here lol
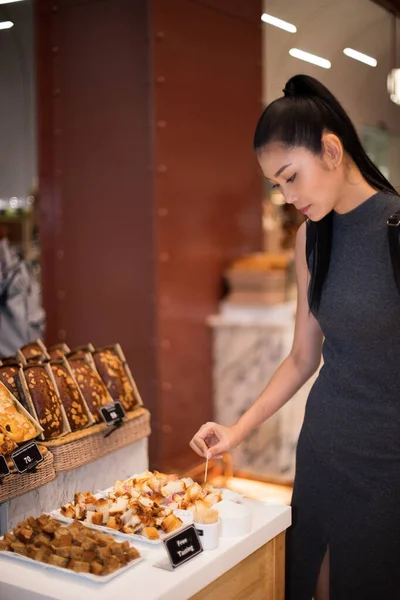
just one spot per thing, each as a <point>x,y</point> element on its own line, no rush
<point>148,185</point>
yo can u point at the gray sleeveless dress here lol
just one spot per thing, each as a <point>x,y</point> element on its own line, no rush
<point>347,485</point>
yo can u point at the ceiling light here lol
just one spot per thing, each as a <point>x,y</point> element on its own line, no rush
<point>311,58</point>
<point>278,23</point>
<point>364,58</point>
<point>6,24</point>
<point>9,1</point>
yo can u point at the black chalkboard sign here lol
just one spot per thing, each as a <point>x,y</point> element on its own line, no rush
<point>112,413</point>
<point>27,458</point>
<point>4,470</point>
<point>183,546</point>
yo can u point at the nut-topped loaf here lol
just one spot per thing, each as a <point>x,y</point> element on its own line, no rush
<point>9,377</point>
<point>70,395</point>
<point>45,400</point>
<point>112,371</point>
<point>58,351</point>
<point>92,387</point>
<point>35,351</point>
<point>17,425</point>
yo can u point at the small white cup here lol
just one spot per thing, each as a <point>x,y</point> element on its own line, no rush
<point>208,534</point>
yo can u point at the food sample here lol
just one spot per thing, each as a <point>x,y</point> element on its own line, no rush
<point>57,351</point>
<point>44,398</point>
<point>9,376</point>
<point>112,371</point>
<point>93,389</point>
<point>168,491</point>
<point>129,513</point>
<point>70,395</point>
<point>75,547</point>
<point>17,425</point>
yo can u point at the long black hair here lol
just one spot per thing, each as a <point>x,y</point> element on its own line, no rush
<point>300,118</point>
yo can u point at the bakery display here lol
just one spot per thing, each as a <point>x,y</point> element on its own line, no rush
<point>73,547</point>
<point>18,427</point>
<point>111,366</point>
<point>70,395</point>
<point>38,388</point>
<point>63,390</point>
<point>130,512</point>
<point>92,387</point>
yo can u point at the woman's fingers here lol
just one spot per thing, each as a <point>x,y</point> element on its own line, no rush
<point>210,441</point>
<point>204,439</point>
<point>199,446</point>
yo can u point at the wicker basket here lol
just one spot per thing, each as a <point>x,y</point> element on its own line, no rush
<point>82,447</point>
<point>17,484</point>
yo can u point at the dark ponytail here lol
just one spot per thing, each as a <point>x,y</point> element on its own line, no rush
<point>300,118</point>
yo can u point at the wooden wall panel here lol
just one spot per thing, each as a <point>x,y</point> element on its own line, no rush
<point>208,189</point>
<point>95,177</point>
<point>148,185</point>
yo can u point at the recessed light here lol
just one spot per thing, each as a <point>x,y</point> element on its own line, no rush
<point>6,24</point>
<point>278,23</point>
<point>364,58</point>
<point>311,58</point>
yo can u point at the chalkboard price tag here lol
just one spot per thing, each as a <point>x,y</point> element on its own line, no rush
<point>112,413</point>
<point>4,470</point>
<point>27,458</point>
<point>183,546</point>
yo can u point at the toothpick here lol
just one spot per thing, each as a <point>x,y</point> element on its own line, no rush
<point>206,471</point>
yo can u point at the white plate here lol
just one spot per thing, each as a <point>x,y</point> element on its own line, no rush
<point>90,576</point>
<point>132,537</point>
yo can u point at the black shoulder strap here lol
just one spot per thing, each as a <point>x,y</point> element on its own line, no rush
<point>394,245</point>
<point>310,239</point>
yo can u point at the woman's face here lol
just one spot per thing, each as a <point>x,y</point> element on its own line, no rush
<point>311,182</point>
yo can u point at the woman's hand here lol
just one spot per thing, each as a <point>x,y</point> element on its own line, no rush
<point>212,440</point>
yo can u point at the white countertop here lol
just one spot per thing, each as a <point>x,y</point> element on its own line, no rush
<point>19,581</point>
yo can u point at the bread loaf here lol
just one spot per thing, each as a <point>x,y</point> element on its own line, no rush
<point>112,371</point>
<point>10,360</point>
<point>45,400</point>
<point>92,387</point>
<point>9,377</point>
<point>17,426</point>
<point>35,350</point>
<point>70,395</point>
<point>58,351</point>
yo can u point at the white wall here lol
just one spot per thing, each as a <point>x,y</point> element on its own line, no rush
<point>17,101</point>
<point>325,28</point>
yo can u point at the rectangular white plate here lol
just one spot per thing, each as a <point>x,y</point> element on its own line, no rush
<point>132,537</point>
<point>90,576</point>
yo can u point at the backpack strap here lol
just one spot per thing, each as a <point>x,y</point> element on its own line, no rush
<point>393,224</point>
<point>9,280</point>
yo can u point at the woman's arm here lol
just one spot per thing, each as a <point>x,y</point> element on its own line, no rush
<point>302,362</point>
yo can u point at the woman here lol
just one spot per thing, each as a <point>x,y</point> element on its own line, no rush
<point>345,540</point>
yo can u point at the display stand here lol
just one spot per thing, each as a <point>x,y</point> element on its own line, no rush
<point>97,475</point>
